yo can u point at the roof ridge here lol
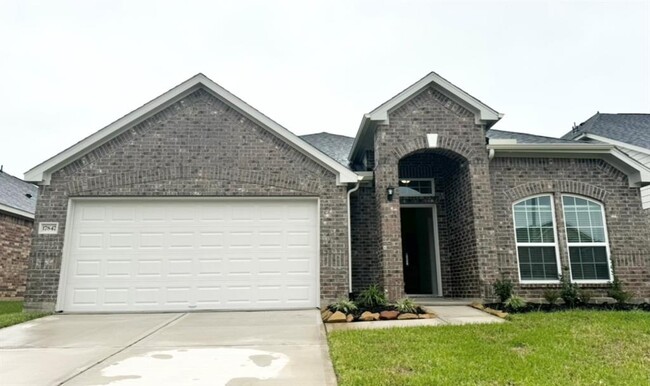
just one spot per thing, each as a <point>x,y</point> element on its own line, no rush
<point>519,132</point>
<point>19,179</point>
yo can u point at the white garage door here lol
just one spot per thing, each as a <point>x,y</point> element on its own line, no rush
<point>190,254</point>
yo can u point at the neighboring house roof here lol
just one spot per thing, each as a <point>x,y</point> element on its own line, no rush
<point>483,113</point>
<point>42,172</point>
<point>523,137</point>
<point>17,196</point>
<point>334,145</point>
<point>632,129</point>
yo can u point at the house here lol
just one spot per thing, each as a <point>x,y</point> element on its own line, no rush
<point>198,201</point>
<point>629,132</point>
<point>17,206</point>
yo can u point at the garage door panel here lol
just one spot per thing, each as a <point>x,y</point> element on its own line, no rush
<point>128,255</point>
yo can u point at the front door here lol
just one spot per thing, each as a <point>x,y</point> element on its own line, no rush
<point>418,249</point>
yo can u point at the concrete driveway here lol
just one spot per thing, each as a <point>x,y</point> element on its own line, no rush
<point>215,348</point>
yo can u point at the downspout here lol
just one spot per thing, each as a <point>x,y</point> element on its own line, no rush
<point>356,187</point>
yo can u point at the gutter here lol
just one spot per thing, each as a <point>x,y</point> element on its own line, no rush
<point>15,211</point>
<point>356,187</point>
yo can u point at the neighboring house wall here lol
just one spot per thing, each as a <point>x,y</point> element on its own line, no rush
<point>516,178</point>
<point>197,147</point>
<point>458,136</point>
<point>15,242</point>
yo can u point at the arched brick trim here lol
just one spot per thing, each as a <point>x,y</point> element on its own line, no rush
<point>448,146</point>
<point>204,174</point>
<point>550,186</point>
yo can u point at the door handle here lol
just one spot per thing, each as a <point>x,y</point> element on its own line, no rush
<point>407,259</point>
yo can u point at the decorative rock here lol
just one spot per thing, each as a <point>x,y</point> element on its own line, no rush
<point>426,316</point>
<point>498,313</point>
<point>478,306</point>
<point>367,316</point>
<point>349,318</point>
<point>407,316</point>
<point>325,314</point>
<point>337,317</point>
<point>388,315</point>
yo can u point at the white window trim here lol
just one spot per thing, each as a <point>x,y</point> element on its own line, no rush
<point>433,186</point>
<point>555,243</point>
<point>599,244</point>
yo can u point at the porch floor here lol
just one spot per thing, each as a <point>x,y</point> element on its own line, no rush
<point>425,300</point>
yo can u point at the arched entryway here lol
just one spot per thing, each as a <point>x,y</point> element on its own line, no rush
<point>438,236</point>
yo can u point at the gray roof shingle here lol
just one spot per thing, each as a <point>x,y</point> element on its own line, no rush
<point>334,145</point>
<point>523,137</point>
<point>14,191</point>
<point>633,129</point>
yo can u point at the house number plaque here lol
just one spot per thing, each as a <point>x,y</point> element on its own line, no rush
<point>48,228</point>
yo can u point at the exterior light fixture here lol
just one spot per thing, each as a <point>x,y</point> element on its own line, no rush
<point>389,192</point>
<point>405,182</point>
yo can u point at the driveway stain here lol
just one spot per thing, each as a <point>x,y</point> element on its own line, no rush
<point>262,360</point>
<point>162,356</point>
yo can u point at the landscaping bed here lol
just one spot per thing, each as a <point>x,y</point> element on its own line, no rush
<point>545,307</point>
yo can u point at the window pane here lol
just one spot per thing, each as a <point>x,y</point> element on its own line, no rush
<point>537,263</point>
<point>589,263</point>
<point>534,220</point>
<point>584,220</point>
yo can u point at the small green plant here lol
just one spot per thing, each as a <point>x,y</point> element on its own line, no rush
<point>406,305</point>
<point>344,305</point>
<point>503,289</point>
<point>618,293</point>
<point>552,296</point>
<point>570,292</point>
<point>515,302</point>
<point>372,297</point>
<point>585,296</point>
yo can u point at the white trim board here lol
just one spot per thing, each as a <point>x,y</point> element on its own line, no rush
<point>638,175</point>
<point>18,212</point>
<point>613,142</point>
<point>42,172</point>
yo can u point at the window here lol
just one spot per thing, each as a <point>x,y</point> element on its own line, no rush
<point>416,187</point>
<point>587,239</point>
<point>536,240</point>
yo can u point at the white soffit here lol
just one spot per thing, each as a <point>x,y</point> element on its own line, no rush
<point>638,175</point>
<point>42,172</point>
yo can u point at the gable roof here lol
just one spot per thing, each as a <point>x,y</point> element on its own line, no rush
<point>483,113</point>
<point>14,196</point>
<point>42,172</point>
<point>632,129</point>
<point>334,145</point>
<point>523,137</point>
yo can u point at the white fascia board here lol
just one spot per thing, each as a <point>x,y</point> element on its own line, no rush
<point>638,175</point>
<point>41,173</point>
<point>18,212</point>
<point>485,113</point>
<point>615,142</point>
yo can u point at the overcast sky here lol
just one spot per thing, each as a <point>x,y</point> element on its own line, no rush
<point>67,69</point>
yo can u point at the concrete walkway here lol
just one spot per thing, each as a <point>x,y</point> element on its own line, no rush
<point>446,315</point>
<point>217,348</point>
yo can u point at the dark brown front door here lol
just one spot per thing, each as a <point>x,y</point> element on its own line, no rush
<point>417,251</point>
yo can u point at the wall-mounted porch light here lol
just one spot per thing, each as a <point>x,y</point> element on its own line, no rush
<point>389,193</point>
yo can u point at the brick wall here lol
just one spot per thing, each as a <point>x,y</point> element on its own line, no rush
<point>197,147</point>
<point>15,243</point>
<point>458,136</point>
<point>628,230</point>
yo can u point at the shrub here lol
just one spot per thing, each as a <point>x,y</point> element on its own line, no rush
<point>372,297</point>
<point>406,306</point>
<point>344,305</point>
<point>515,302</point>
<point>617,292</point>
<point>551,296</point>
<point>569,291</point>
<point>585,296</point>
<point>503,289</point>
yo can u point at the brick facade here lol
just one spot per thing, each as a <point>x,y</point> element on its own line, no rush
<point>15,243</point>
<point>474,197</point>
<point>197,147</point>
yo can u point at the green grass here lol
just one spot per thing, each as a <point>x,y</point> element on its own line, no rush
<point>11,312</point>
<point>563,348</point>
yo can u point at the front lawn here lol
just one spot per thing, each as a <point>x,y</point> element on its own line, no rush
<point>564,348</point>
<point>11,312</point>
